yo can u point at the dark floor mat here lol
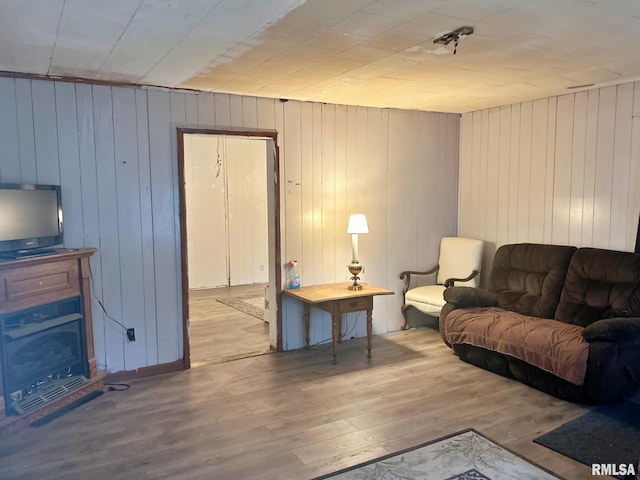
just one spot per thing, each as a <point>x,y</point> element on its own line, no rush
<point>609,434</point>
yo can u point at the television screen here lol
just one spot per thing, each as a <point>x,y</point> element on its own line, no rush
<point>30,217</point>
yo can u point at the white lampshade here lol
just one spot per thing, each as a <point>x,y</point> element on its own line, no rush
<point>358,223</point>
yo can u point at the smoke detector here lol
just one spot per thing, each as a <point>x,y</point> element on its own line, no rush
<point>445,38</point>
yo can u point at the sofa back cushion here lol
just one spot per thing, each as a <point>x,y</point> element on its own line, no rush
<point>528,278</point>
<point>600,284</point>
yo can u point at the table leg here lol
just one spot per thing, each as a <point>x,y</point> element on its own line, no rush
<point>369,329</point>
<point>335,320</point>
<point>305,317</point>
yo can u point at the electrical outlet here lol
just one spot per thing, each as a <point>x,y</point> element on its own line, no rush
<point>131,334</point>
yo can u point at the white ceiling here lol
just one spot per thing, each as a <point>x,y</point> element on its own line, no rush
<point>357,52</point>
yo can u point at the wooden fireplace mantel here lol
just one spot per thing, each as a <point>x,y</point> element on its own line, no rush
<point>38,280</point>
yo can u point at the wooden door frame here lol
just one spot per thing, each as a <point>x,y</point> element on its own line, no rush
<point>264,134</point>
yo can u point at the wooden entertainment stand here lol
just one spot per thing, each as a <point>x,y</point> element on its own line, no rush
<point>31,282</point>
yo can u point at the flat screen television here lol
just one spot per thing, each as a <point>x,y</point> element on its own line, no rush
<point>30,219</point>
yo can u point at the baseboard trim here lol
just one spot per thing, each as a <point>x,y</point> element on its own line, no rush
<point>144,372</point>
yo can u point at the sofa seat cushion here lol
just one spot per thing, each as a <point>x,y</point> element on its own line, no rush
<point>428,299</point>
<point>550,345</point>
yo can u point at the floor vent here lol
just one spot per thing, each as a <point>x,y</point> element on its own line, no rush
<point>53,390</point>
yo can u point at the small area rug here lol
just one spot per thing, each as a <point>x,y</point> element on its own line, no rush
<point>609,434</point>
<point>250,304</point>
<point>466,455</point>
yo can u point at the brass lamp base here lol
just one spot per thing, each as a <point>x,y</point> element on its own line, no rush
<point>355,268</point>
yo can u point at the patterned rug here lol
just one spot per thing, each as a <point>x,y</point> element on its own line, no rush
<point>466,455</point>
<point>250,304</point>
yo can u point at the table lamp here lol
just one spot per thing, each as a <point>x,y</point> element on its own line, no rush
<point>357,225</point>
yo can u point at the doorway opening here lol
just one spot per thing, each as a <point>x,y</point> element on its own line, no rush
<point>230,237</point>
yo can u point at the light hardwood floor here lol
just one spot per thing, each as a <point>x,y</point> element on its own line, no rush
<point>220,333</point>
<point>290,415</point>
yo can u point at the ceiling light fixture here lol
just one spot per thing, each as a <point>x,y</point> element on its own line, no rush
<point>445,38</point>
<point>584,85</point>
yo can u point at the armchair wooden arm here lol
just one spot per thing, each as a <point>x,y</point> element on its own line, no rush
<point>406,276</point>
<point>449,282</point>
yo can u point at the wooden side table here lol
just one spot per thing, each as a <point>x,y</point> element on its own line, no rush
<point>337,299</point>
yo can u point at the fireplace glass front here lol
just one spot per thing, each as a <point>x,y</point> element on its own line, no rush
<point>43,354</point>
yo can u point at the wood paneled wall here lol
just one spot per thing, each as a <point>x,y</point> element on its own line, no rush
<point>398,167</point>
<point>562,170</point>
<point>114,151</point>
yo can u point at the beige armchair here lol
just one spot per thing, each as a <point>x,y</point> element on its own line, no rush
<point>458,264</point>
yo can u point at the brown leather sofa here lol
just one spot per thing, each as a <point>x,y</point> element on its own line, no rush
<point>563,320</point>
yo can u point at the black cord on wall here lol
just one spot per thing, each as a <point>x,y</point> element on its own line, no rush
<point>93,291</point>
<point>314,346</point>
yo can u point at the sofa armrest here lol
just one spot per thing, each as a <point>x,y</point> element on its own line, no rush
<point>620,329</point>
<point>464,297</point>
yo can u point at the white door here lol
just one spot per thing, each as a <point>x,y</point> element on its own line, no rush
<point>206,211</point>
<point>226,201</point>
<point>246,168</point>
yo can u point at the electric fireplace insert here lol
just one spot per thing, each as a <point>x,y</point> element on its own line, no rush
<point>43,354</point>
